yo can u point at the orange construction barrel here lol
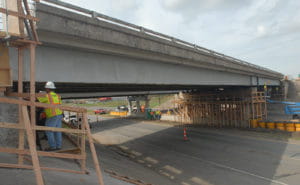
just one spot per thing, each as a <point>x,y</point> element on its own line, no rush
<point>262,124</point>
<point>290,127</point>
<point>297,126</point>
<point>280,126</point>
<point>270,125</point>
<point>253,123</point>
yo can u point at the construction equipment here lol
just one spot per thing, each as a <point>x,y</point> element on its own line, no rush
<point>291,108</point>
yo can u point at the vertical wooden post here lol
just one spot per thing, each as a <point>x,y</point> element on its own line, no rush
<point>21,20</point>
<point>257,109</point>
<point>234,110</point>
<point>20,90</point>
<point>252,105</point>
<point>230,112</point>
<point>32,83</point>
<point>83,123</point>
<point>249,106</point>
<point>93,150</point>
<point>212,114</point>
<point>241,113</point>
<point>220,114</point>
<point>202,112</point>
<point>246,114</point>
<point>265,107</point>
<point>32,147</point>
<point>226,112</point>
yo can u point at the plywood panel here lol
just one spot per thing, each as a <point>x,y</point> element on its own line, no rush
<point>5,71</point>
<point>13,22</point>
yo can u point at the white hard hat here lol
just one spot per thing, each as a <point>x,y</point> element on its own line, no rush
<point>50,85</point>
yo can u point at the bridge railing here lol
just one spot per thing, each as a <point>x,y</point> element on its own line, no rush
<point>96,15</point>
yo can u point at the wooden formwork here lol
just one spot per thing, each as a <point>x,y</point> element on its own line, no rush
<point>27,119</point>
<point>259,106</point>
<point>83,132</point>
<point>220,110</point>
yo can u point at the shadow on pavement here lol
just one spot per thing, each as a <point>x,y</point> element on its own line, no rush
<point>211,156</point>
<point>110,123</point>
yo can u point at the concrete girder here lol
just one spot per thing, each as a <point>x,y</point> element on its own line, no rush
<point>75,66</point>
<point>121,40</point>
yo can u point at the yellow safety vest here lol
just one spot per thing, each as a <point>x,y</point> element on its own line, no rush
<point>54,99</point>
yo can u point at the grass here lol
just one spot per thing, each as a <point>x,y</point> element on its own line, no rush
<point>113,103</point>
<point>155,100</point>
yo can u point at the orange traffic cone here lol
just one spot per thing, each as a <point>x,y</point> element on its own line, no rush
<point>185,138</point>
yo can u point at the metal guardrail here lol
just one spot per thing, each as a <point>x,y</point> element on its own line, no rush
<point>141,29</point>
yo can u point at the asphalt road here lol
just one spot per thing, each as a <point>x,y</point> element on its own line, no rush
<point>157,154</point>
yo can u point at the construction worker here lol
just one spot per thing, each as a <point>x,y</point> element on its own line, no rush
<point>53,117</point>
<point>158,114</point>
<point>143,108</point>
<point>152,115</point>
<point>40,121</point>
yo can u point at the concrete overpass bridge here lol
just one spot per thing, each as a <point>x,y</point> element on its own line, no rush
<point>88,53</point>
<point>86,56</point>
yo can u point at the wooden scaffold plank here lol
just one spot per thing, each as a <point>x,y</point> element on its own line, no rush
<point>32,147</point>
<point>93,150</point>
<point>20,90</point>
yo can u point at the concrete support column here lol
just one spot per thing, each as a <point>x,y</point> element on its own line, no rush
<point>285,87</point>
<point>129,105</point>
<point>138,105</point>
<point>147,106</point>
<point>8,113</point>
<point>147,102</point>
<point>136,101</point>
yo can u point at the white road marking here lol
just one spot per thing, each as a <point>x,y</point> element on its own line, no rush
<point>225,166</point>
<point>236,170</point>
<point>294,158</point>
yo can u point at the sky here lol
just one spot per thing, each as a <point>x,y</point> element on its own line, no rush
<point>262,32</point>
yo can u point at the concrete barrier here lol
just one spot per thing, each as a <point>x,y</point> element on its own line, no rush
<point>116,113</point>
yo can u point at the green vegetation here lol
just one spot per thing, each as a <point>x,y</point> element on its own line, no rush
<point>113,103</point>
<point>155,100</point>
